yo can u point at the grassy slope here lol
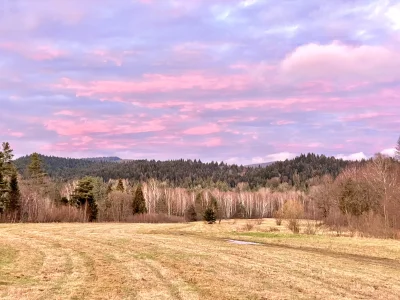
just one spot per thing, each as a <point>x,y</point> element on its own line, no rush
<point>191,261</point>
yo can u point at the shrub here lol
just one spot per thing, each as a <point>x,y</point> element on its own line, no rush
<point>294,225</point>
<point>278,217</point>
<point>258,221</point>
<point>311,228</point>
<point>248,226</point>
<point>273,229</point>
<point>292,210</point>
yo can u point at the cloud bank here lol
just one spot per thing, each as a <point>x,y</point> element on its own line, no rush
<point>234,81</point>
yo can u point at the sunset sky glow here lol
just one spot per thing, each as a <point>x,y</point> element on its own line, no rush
<point>225,80</point>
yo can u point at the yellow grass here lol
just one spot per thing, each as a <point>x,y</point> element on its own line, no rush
<point>191,261</point>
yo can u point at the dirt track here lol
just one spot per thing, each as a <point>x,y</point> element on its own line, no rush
<point>185,261</point>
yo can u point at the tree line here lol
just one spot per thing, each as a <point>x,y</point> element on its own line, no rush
<point>361,196</point>
<point>194,173</point>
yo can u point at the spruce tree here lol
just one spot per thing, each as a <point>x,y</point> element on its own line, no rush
<point>3,184</point>
<point>6,157</point>
<point>83,197</point>
<point>209,215</point>
<point>120,186</point>
<point>3,189</point>
<point>139,203</point>
<point>198,204</point>
<point>14,196</point>
<point>35,169</point>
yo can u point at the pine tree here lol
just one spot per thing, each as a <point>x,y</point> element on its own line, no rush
<point>35,169</point>
<point>14,196</point>
<point>139,203</point>
<point>3,189</point>
<point>3,184</point>
<point>120,186</point>
<point>209,215</point>
<point>83,197</point>
<point>7,156</point>
<point>198,204</point>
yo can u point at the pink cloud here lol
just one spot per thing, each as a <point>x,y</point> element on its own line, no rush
<point>120,125</point>
<point>157,83</point>
<point>202,130</point>
<point>283,122</point>
<point>367,116</point>
<point>67,113</point>
<point>339,62</point>
<point>16,134</point>
<point>214,142</point>
<point>35,52</point>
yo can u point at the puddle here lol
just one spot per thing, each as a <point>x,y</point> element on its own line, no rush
<point>237,242</point>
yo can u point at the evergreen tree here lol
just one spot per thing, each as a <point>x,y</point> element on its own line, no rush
<point>397,154</point>
<point>14,196</point>
<point>198,205</point>
<point>3,183</point>
<point>83,197</point>
<point>139,203</point>
<point>35,169</point>
<point>6,157</point>
<point>120,186</point>
<point>209,215</point>
<point>3,189</point>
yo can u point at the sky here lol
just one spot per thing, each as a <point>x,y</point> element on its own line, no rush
<point>240,81</point>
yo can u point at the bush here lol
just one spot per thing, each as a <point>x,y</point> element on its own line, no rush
<point>292,211</point>
<point>248,226</point>
<point>273,229</point>
<point>278,217</point>
<point>294,225</point>
<point>311,228</point>
<point>258,221</point>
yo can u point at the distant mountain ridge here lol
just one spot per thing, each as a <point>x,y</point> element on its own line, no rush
<point>104,159</point>
<point>191,173</point>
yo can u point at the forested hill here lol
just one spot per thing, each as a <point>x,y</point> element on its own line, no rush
<point>188,173</point>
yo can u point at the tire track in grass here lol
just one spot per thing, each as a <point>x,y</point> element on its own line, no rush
<point>129,261</point>
<point>150,280</point>
<point>299,273</point>
<point>110,281</point>
<point>60,267</point>
<point>19,276</point>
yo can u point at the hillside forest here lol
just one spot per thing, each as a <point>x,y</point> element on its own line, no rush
<point>361,196</point>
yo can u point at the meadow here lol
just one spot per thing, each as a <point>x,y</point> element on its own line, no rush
<point>192,261</point>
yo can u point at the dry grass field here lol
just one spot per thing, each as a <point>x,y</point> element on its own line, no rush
<point>191,261</point>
